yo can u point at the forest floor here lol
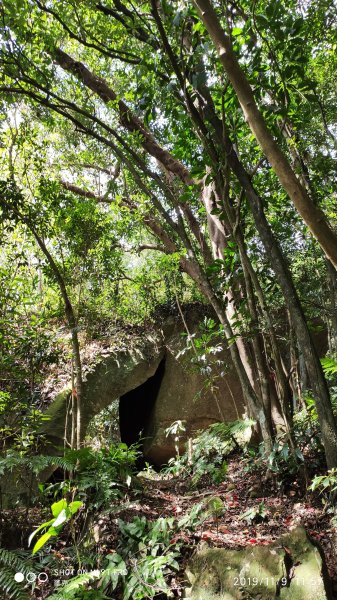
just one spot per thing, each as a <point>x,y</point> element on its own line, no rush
<point>285,507</point>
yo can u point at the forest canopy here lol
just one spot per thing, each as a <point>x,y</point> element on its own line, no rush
<point>160,154</point>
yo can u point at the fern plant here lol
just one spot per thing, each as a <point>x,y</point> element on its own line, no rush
<point>11,563</point>
<point>71,589</point>
<point>329,366</point>
<point>15,460</point>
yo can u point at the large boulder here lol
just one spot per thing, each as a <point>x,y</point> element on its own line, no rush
<point>195,392</point>
<point>114,373</point>
<point>290,568</point>
<point>158,380</point>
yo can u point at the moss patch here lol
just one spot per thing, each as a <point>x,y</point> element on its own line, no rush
<point>290,568</point>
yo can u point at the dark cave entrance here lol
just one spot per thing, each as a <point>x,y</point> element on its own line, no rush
<point>135,407</point>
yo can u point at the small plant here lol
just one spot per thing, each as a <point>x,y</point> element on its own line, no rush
<point>329,366</point>
<point>193,519</point>
<point>147,555</point>
<point>62,512</point>
<point>282,458</point>
<point>281,461</point>
<point>98,476</point>
<point>75,588</point>
<point>216,508</point>
<point>325,484</point>
<point>176,429</point>
<point>256,514</point>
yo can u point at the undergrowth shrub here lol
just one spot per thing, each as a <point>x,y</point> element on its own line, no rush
<point>104,475</point>
<point>146,558</point>
<point>97,476</point>
<point>326,485</point>
<point>206,453</point>
<point>11,563</point>
<point>282,461</point>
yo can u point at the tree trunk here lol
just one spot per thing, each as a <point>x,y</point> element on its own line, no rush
<point>257,410</point>
<point>274,253</point>
<point>311,214</point>
<point>332,282</point>
<point>77,393</point>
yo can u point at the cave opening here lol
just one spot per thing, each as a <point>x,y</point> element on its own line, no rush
<point>135,407</point>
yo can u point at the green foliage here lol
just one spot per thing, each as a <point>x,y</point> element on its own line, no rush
<point>11,563</point>
<point>76,588</point>
<point>97,476</point>
<point>329,366</point>
<point>101,476</point>
<point>206,344</point>
<point>307,432</point>
<point>282,460</point>
<point>176,430</point>
<point>98,225</point>
<point>147,555</point>
<point>255,514</point>
<point>325,484</point>
<point>62,512</point>
<point>207,451</point>
<point>195,517</point>
<point>14,459</point>
<point>26,468</point>
<point>215,507</point>
<point>103,429</point>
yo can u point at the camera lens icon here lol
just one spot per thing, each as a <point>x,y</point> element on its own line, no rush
<point>40,577</point>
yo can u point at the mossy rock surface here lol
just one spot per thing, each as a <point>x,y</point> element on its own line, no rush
<point>290,568</point>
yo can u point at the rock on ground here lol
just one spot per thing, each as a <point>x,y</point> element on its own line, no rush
<point>290,568</point>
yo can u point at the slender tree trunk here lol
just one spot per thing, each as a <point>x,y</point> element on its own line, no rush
<point>332,282</point>
<point>252,364</point>
<point>219,239</point>
<point>311,214</point>
<point>282,387</point>
<point>254,405</point>
<point>77,393</point>
<point>274,253</point>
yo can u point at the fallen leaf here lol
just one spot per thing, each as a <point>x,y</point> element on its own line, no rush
<point>223,529</point>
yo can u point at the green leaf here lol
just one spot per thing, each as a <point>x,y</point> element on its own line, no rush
<point>43,526</point>
<point>75,506</point>
<point>57,507</point>
<point>42,541</point>
<point>61,518</point>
